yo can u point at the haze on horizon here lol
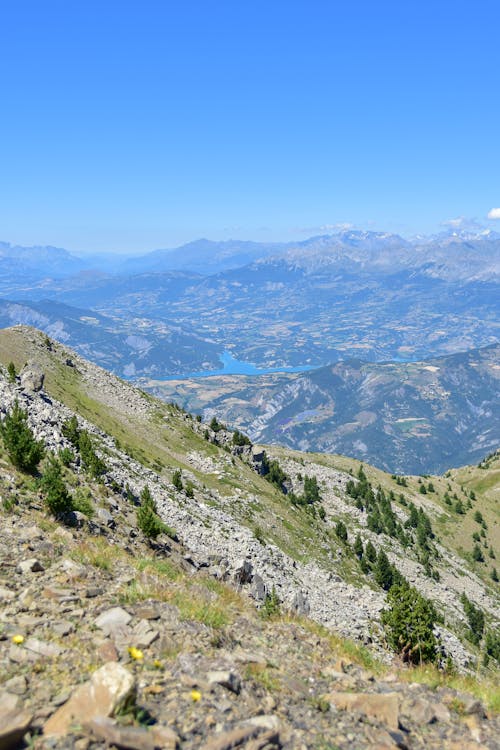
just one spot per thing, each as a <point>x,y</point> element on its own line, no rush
<point>129,127</point>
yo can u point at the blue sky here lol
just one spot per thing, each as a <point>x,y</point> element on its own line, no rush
<point>128,126</point>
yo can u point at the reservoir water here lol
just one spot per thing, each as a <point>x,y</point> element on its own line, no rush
<point>232,366</point>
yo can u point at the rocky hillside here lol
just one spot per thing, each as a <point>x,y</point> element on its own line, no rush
<point>191,621</point>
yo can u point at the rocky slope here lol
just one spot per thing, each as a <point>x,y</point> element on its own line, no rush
<point>196,664</point>
<point>232,527</point>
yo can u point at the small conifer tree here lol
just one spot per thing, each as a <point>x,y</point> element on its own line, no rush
<point>11,372</point>
<point>341,531</point>
<point>358,547</point>
<point>71,431</point>
<point>147,517</point>
<point>409,622</point>
<point>475,618</point>
<point>177,480</point>
<point>370,552</point>
<point>57,497</point>
<point>23,449</point>
<point>383,571</point>
<point>477,554</point>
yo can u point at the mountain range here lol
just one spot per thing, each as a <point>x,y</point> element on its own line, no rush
<point>364,298</point>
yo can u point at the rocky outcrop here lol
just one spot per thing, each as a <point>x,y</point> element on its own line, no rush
<point>32,377</point>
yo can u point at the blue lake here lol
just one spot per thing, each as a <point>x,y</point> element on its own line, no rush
<point>232,366</point>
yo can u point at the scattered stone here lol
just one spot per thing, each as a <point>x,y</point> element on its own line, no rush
<point>249,657</point>
<point>53,592</point>
<point>92,591</point>
<point>33,533</point>
<point>381,706</point>
<point>20,655</point>
<point>73,569</point>
<point>227,678</point>
<point>42,648</point>
<point>259,589</point>
<point>6,595</point>
<point>107,652</point>
<point>266,722</point>
<point>300,604</point>
<point>13,726</point>
<point>419,711</point>
<point>112,619</point>
<point>61,698</point>
<point>30,566</point>
<point>473,706</point>
<point>133,738</point>
<point>144,635</point>
<point>243,572</point>
<point>233,738</point>
<point>9,702</point>
<point>17,685</point>
<point>105,517</point>
<point>148,612</point>
<point>62,628</point>
<point>110,688</point>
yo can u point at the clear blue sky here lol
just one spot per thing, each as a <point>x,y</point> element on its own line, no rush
<point>128,126</point>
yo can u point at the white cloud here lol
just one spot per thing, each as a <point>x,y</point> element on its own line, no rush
<point>494,213</point>
<point>340,227</point>
<point>462,222</point>
<point>454,223</point>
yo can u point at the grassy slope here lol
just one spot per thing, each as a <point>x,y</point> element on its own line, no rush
<point>454,530</point>
<point>162,438</point>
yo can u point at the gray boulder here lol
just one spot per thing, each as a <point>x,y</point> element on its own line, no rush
<point>32,377</point>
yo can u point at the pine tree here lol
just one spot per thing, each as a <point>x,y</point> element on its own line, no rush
<point>358,547</point>
<point>370,552</point>
<point>311,490</point>
<point>11,372</point>
<point>341,531</point>
<point>24,451</point>
<point>475,617</point>
<point>57,497</point>
<point>409,623</point>
<point>71,431</point>
<point>477,554</point>
<point>148,519</point>
<point>93,464</point>
<point>383,571</point>
<point>177,479</point>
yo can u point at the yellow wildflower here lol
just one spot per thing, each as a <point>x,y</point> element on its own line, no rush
<point>135,653</point>
<point>195,695</point>
<point>18,639</point>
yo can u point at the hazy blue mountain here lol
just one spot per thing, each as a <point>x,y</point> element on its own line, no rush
<point>24,264</point>
<point>202,256</point>
<point>130,347</point>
